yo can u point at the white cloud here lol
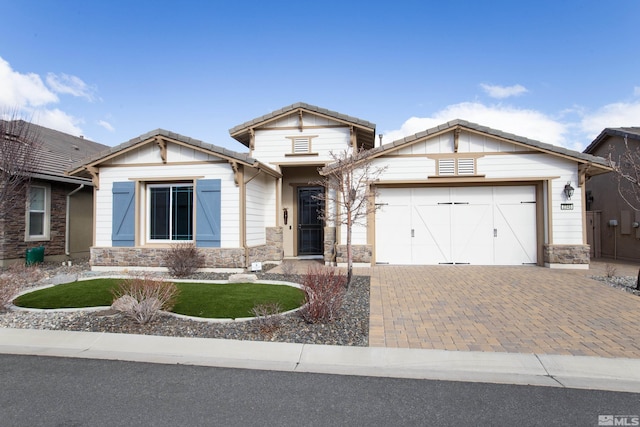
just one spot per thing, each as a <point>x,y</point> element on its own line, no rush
<point>58,120</point>
<point>619,114</point>
<point>18,91</point>
<point>501,92</point>
<point>28,96</point>
<point>106,125</point>
<point>70,85</point>
<point>522,122</point>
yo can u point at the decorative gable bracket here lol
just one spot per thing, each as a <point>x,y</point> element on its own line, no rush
<point>93,171</point>
<point>236,172</point>
<point>162,144</point>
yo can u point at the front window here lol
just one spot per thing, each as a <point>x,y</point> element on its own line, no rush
<point>170,212</point>
<point>38,213</point>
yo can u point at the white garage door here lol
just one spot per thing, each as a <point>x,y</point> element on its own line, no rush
<point>466,225</point>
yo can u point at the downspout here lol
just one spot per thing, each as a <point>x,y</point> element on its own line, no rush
<point>66,231</point>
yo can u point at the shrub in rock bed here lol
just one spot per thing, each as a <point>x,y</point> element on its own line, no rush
<point>142,298</point>
<point>324,289</point>
<point>183,259</point>
<point>268,318</point>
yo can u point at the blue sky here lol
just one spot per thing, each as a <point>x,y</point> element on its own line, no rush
<point>556,71</point>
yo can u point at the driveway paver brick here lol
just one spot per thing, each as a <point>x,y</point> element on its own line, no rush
<point>521,309</point>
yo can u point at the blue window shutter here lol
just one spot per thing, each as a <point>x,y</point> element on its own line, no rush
<point>123,221</point>
<point>208,213</point>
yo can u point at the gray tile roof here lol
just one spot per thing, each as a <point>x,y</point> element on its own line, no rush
<point>240,132</point>
<point>631,132</point>
<point>61,150</point>
<point>213,149</point>
<point>542,146</point>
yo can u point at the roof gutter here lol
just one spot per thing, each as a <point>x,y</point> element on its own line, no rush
<point>66,230</point>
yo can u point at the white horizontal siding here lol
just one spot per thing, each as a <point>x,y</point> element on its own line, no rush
<point>150,153</point>
<point>230,216</point>
<point>405,168</point>
<point>261,209</point>
<point>272,145</point>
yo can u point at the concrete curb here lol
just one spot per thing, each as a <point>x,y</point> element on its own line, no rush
<point>506,368</point>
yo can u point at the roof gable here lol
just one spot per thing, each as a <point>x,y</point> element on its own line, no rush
<point>366,129</point>
<point>629,132</point>
<point>531,144</point>
<point>161,136</point>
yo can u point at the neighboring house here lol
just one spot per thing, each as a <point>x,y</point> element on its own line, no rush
<point>57,210</point>
<point>606,207</point>
<point>458,193</point>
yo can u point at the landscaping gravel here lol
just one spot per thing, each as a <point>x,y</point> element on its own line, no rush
<point>351,328</point>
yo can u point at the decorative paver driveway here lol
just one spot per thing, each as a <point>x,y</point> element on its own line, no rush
<point>502,309</point>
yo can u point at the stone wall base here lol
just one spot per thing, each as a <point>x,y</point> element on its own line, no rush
<point>362,254</point>
<point>566,256</point>
<point>329,245</point>
<point>272,250</point>
<point>152,258</point>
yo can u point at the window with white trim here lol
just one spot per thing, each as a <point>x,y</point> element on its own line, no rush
<point>38,213</point>
<point>170,212</point>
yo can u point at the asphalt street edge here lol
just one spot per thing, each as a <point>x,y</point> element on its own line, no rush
<point>612,374</point>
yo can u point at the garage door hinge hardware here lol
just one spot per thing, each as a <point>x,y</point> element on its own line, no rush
<point>534,202</point>
<point>382,204</point>
<point>445,203</point>
<point>460,203</point>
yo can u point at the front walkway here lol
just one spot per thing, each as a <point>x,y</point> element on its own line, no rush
<point>503,309</point>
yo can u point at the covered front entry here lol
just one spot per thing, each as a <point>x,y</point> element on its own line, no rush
<point>310,225</point>
<point>457,225</point>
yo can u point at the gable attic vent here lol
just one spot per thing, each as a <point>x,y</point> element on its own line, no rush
<point>301,145</point>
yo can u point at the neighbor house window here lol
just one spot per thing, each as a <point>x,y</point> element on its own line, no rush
<point>170,213</point>
<point>37,219</point>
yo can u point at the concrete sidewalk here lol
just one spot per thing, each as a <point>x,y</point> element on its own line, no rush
<point>615,374</point>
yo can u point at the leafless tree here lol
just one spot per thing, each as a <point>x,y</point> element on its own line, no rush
<point>349,195</point>
<point>20,157</point>
<point>626,170</point>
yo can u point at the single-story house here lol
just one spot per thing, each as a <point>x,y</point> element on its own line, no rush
<point>455,194</point>
<point>613,226</point>
<point>56,210</point>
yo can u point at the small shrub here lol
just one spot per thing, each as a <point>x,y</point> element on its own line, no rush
<point>268,319</point>
<point>183,259</point>
<point>324,290</point>
<point>610,270</point>
<point>287,269</point>
<point>14,278</point>
<point>142,298</point>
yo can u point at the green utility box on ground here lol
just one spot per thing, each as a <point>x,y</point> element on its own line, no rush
<point>34,255</point>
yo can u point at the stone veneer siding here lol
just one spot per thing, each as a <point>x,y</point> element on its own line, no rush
<point>329,244</point>
<point>566,254</point>
<point>153,257</point>
<point>13,225</point>
<point>272,250</point>
<point>361,253</point>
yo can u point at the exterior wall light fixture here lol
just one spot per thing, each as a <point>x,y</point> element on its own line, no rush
<point>568,190</point>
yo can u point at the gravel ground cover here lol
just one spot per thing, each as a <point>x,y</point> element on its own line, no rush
<point>352,328</point>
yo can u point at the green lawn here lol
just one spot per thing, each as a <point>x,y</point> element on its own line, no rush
<point>195,299</point>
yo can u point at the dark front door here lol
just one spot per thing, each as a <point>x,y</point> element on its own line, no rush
<point>310,227</point>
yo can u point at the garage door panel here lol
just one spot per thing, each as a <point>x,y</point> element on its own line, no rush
<point>516,235</point>
<point>431,241</point>
<point>475,225</point>
<point>472,231</point>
